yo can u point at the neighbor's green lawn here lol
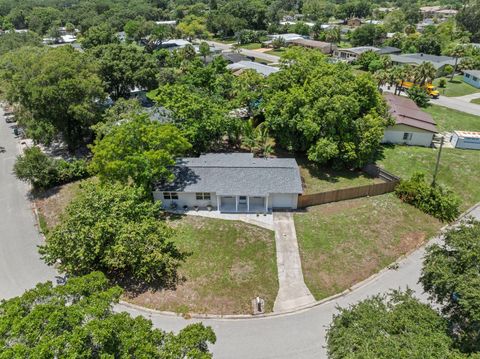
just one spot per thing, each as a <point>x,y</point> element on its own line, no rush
<point>231,263</point>
<point>449,120</point>
<point>459,169</point>
<point>252,46</point>
<point>318,179</point>
<point>455,88</point>
<point>346,242</point>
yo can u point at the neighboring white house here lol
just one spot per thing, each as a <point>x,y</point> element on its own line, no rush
<point>232,182</point>
<point>412,126</point>
<point>466,139</point>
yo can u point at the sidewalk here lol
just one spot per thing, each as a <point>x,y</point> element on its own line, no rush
<point>292,292</point>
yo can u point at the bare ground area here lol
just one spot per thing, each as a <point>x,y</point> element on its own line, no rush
<point>344,243</point>
<point>231,262</point>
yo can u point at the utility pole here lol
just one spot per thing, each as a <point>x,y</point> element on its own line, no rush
<point>438,160</point>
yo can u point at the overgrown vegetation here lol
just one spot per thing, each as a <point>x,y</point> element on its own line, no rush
<point>435,200</point>
<point>43,172</point>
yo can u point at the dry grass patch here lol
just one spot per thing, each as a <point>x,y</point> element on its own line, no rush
<point>344,243</point>
<point>52,203</point>
<point>230,263</point>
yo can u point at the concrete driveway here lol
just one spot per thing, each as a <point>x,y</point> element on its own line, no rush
<point>20,265</point>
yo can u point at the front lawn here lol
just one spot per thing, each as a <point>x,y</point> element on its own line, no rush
<point>455,88</point>
<point>317,179</point>
<point>450,120</point>
<point>252,46</point>
<point>231,263</point>
<point>459,169</point>
<point>343,243</point>
<point>476,101</point>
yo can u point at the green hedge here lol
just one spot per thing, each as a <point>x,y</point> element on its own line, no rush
<point>434,200</point>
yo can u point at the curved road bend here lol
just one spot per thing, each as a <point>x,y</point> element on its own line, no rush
<point>20,265</point>
<point>300,335</point>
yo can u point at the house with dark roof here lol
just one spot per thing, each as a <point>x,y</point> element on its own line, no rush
<point>412,125</point>
<point>232,182</point>
<point>438,62</point>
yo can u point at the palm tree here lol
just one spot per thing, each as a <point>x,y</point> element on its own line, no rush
<point>425,72</point>
<point>381,77</point>
<point>457,52</point>
<point>333,36</point>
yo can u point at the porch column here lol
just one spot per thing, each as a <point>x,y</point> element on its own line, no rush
<point>218,203</point>
<point>236,203</point>
<point>248,204</point>
<point>266,203</point>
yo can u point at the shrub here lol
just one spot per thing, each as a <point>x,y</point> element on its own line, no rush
<point>43,172</point>
<point>278,43</point>
<point>434,200</point>
<point>442,83</point>
<point>419,96</point>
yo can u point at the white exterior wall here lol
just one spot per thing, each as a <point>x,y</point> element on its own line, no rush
<point>394,134</point>
<point>283,200</point>
<point>186,199</point>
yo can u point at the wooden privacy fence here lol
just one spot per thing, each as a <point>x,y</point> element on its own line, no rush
<point>353,192</point>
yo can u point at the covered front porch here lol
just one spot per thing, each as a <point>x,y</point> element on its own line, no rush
<point>242,204</point>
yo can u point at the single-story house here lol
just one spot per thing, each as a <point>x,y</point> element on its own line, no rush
<point>412,125</point>
<point>238,67</point>
<point>439,62</point>
<point>174,44</point>
<point>287,37</point>
<point>166,22</point>
<point>232,182</point>
<point>325,47</point>
<point>472,77</point>
<point>466,139</point>
<point>352,53</point>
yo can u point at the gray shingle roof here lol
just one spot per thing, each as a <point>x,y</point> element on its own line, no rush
<point>264,70</point>
<point>437,61</point>
<point>475,73</point>
<point>230,174</point>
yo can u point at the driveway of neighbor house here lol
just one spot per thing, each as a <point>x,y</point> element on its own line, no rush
<point>292,293</point>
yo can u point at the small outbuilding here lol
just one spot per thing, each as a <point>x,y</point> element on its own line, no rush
<point>472,77</point>
<point>232,182</point>
<point>466,139</point>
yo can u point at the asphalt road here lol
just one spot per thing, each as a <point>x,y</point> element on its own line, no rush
<point>20,265</point>
<point>300,335</point>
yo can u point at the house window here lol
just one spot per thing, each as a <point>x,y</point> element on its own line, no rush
<point>467,76</point>
<point>203,196</point>
<point>474,78</point>
<point>407,136</point>
<point>170,195</point>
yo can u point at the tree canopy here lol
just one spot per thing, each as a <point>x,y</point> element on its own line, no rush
<point>59,89</point>
<point>451,276</point>
<point>114,229</point>
<point>324,110</point>
<point>139,150</point>
<point>77,320</point>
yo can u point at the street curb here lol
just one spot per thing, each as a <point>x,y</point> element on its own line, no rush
<point>356,286</point>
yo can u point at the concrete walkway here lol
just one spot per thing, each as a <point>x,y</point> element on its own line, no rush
<point>469,98</point>
<point>292,292</point>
